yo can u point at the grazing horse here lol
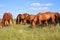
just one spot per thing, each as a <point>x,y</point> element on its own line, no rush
<point>6,19</point>
<point>43,17</point>
<point>34,21</point>
<point>21,17</point>
<point>30,18</point>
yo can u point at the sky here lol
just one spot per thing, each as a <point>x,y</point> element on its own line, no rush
<point>28,6</point>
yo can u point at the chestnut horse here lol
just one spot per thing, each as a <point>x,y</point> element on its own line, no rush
<point>43,17</point>
<point>21,17</point>
<point>30,18</point>
<point>6,18</point>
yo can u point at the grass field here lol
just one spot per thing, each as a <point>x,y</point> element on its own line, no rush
<point>23,32</point>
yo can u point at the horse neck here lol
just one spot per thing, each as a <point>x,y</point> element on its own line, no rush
<point>35,19</point>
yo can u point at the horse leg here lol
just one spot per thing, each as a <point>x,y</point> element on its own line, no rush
<point>33,24</point>
<point>3,23</point>
<point>59,23</point>
<point>46,22</point>
<point>18,20</point>
<point>24,21</point>
<point>30,21</point>
<point>8,21</point>
<point>12,21</point>
<point>40,24</point>
<point>53,21</point>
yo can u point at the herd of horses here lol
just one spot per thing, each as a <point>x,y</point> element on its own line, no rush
<point>33,20</point>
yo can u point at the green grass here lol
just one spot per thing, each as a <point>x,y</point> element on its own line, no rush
<point>23,32</point>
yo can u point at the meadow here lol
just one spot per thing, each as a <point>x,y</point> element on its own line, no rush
<point>24,32</point>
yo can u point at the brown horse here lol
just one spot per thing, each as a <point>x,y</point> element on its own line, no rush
<point>43,17</point>
<point>6,18</point>
<point>34,21</point>
<point>21,17</point>
<point>30,18</point>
